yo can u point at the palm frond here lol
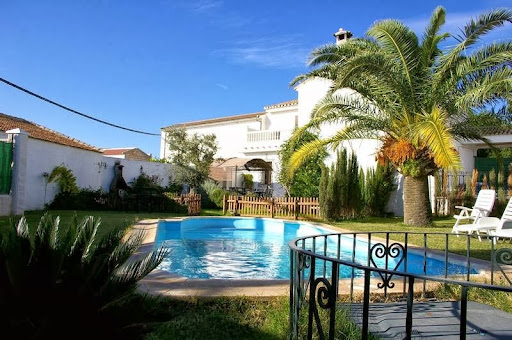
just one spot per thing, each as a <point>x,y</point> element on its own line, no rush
<point>363,129</point>
<point>337,54</point>
<point>22,228</point>
<point>398,40</point>
<point>431,38</point>
<point>381,73</point>
<point>136,270</point>
<point>326,54</point>
<point>491,88</point>
<point>486,58</point>
<point>327,72</point>
<point>472,32</point>
<point>307,150</point>
<point>433,132</point>
<point>126,249</point>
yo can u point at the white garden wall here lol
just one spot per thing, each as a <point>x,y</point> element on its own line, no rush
<point>33,158</point>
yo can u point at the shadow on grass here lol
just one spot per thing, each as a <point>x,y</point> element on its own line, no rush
<point>216,318</point>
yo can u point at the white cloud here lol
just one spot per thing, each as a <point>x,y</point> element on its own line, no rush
<point>222,86</point>
<point>276,52</point>
<point>215,12</point>
<point>205,5</point>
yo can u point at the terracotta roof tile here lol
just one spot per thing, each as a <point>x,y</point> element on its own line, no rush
<point>288,103</point>
<point>216,120</point>
<point>495,130</point>
<point>110,152</point>
<point>40,132</point>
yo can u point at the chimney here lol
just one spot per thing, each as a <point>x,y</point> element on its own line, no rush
<point>342,36</point>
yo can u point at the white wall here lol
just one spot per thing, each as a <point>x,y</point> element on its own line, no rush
<point>309,93</point>
<point>91,169</point>
<point>5,205</point>
<point>231,136</point>
<point>283,119</point>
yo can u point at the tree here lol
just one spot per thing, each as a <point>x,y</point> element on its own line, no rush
<point>412,95</point>
<point>192,155</point>
<point>340,191</point>
<point>305,181</point>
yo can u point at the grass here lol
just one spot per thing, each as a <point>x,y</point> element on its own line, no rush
<point>457,245</point>
<point>110,220</point>
<point>224,318</point>
<point>221,319</point>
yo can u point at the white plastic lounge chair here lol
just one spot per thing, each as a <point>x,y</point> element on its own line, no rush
<point>483,206</point>
<point>498,230</point>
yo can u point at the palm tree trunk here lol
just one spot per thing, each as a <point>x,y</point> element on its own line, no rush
<point>417,209</point>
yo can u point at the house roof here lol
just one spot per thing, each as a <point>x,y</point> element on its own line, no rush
<point>495,130</point>
<point>116,151</point>
<point>216,120</point>
<point>42,133</point>
<point>288,103</point>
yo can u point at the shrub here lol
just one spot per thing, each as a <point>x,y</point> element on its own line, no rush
<point>340,194</point>
<point>144,181</point>
<point>211,194</point>
<point>305,181</point>
<point>61,282</point>
<point>247,181</point>
<point>377,187</point>
<point>83,199</point>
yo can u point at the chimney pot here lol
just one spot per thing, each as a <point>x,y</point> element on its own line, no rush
<point>342,36</point>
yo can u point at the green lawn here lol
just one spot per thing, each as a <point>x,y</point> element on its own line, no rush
<point>110,220</point>
<point>243,318</point>
<point>457,245</point>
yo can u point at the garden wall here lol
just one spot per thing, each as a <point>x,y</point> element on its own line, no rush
<point>33,158</point>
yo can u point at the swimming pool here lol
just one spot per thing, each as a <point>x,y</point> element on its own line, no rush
<point>257,248</point>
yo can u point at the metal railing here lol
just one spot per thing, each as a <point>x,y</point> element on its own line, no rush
<point>322,267</point>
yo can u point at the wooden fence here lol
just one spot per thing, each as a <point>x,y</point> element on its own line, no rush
<point>282,207</point>
<point>193,202</point>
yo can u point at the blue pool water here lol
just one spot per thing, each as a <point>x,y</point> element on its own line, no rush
<point>251,248</point>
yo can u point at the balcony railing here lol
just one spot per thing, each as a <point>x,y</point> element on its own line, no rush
<point>267,136</point>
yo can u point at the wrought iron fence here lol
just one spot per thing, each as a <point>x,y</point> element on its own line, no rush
<point>325,270</point>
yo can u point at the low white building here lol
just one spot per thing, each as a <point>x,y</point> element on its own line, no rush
<point>260,135</point>
<point>29,152</point>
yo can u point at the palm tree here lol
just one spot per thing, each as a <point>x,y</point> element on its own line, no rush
<point>410,94</point>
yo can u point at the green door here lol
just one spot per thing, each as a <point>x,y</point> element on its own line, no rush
<point>5,167</point>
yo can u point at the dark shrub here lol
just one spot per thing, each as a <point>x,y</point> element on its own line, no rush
<point>61,283</point>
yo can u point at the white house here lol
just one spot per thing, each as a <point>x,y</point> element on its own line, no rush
<point>259,135</point>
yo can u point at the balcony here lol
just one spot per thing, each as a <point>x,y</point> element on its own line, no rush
<point>267,140</point>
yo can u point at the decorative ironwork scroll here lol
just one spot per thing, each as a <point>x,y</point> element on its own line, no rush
<point>503,256</point>
<point>304,263</point>
<point>322,294</point>
<point>393,251</point>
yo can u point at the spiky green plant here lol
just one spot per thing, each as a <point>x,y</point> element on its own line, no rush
<point>492,179</point>
<point>411,94</point>
<point>60,282</point>
<point>64,178</point>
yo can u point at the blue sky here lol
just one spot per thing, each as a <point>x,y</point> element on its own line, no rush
<point>149,64</point>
